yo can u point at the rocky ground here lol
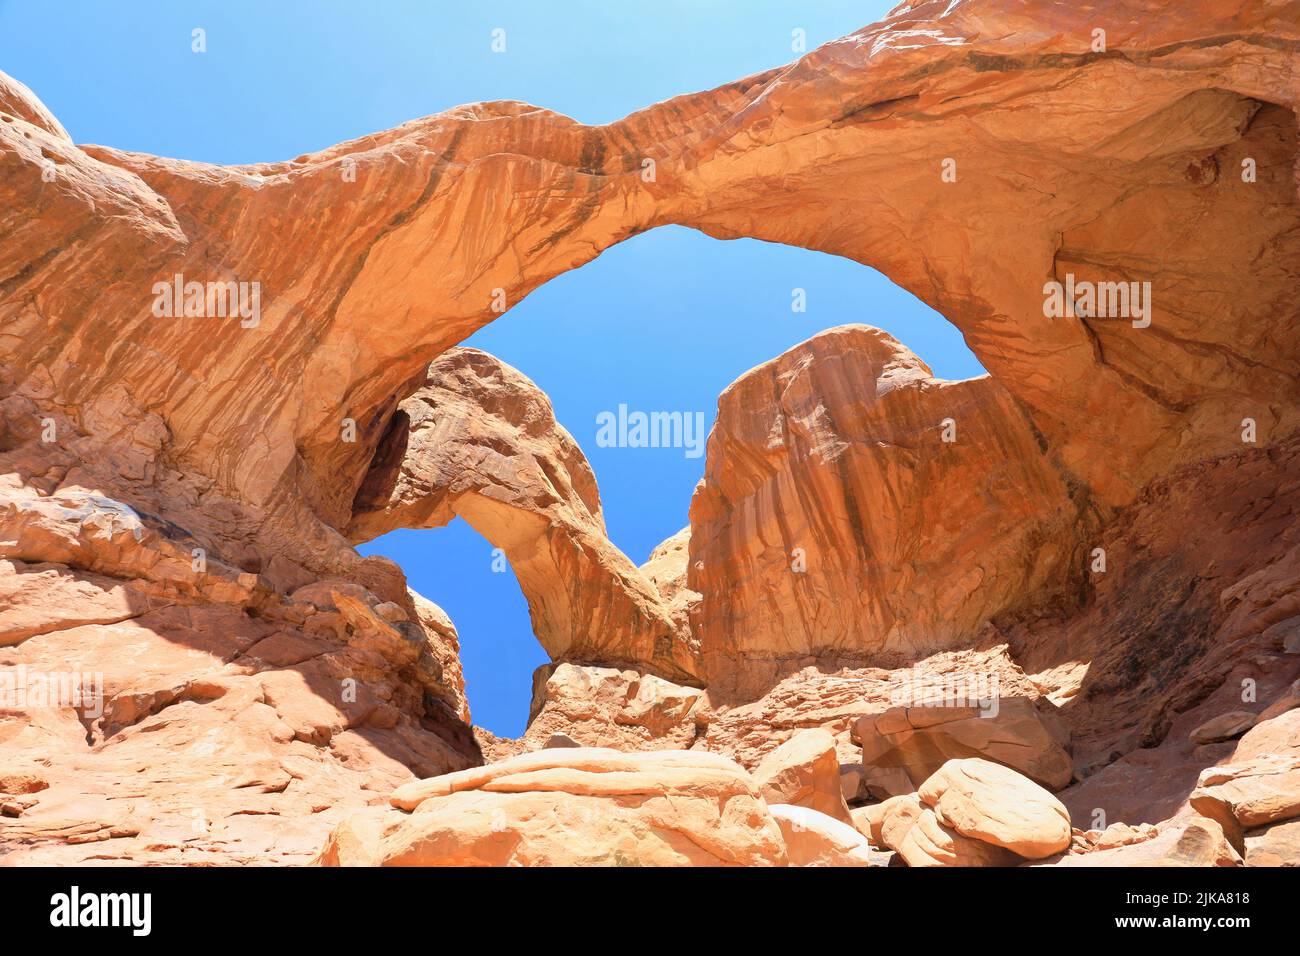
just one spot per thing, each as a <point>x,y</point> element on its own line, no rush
<point>1048,616</point>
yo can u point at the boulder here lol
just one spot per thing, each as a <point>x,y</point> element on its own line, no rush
<point>1253,793</point>
<point>986,801</point>
<point>814,839</point>
<point>930,842</point>
<point>805,771</point>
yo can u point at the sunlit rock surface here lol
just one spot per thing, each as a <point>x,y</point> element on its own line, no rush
<point>480,440</point>
<point>178,493</point>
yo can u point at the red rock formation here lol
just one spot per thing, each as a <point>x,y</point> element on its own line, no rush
<point>607,707</point>
<point>175,490</point>
<point>854,507</point>
<point>406,255</point>
<point>480,440</point>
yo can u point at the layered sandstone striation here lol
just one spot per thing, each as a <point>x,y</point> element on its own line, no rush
<point>853,506</point>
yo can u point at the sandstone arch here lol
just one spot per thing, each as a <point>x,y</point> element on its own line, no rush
<point>1123,164</point>
<point>480,440</point>
<point>445,210</point>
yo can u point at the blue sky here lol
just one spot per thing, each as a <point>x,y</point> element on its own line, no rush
<point>663,322</point>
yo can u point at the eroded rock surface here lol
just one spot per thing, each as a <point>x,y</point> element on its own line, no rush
<point>853,505</point>
<point>480,440</point>
<point>996,805</point>
<point>815,839</point>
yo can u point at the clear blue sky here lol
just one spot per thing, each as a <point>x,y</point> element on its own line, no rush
<point>664,321</point>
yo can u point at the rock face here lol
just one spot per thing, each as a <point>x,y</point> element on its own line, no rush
<point>1170,642</point>
<point>571,807</point>
<point>480,440</point>
<point>855,506</point>
<point>666,569</point>
<point>416,247</point>
<point>200,734</point>
<point>181,475</point>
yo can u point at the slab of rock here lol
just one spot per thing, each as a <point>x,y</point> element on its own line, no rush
<point>38,598</point>
<point>1024,735</point>
<point>992,803</point>
<point>805,771</point>
<point>814,839</point>
<point>571,807</point>
<point>1226,726</point>
<point>1253,793</point>
<point>1121,834</point>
